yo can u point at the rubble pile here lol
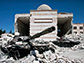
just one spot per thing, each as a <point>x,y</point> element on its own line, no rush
<point>75,37</point>
<point>22,49</point>
<point>5,38</point>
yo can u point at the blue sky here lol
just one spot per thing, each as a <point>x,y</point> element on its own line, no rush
<point>8,9</point>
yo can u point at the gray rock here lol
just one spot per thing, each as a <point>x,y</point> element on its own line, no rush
<point>30,58</point>
<point>60,61</point>
<point>49,55</point>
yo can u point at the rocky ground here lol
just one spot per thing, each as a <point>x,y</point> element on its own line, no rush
<point>70,50</point>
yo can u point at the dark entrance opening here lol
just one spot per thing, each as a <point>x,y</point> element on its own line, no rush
<point>23,26</point>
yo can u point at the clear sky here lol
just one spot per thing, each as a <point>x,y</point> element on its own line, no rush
<point>8,9</point>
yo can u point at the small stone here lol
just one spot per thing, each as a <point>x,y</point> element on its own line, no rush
<point>36,61</point>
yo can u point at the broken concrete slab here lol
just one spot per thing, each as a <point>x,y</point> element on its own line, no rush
<point>49,56</point>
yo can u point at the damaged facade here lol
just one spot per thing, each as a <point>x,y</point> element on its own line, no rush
<point>78,28</point>
<point>41,20</point>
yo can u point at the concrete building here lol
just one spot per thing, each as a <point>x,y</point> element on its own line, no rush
<point>78,28</point>
<point>42,19</point>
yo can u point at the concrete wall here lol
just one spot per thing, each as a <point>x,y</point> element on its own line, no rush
<point>41,20</point>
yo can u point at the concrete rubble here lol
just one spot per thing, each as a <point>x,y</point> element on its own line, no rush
<point>18,49</point>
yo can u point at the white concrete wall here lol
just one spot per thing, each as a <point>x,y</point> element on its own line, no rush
<point>46,19</point>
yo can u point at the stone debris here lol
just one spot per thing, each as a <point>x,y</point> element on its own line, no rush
<point>74,37</point>
<point>18,49</point>
<point>5,38</point>
<point>35,61</point>
<point>49,56</point>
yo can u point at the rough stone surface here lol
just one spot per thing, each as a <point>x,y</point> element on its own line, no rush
<point>41,51</point>
<point>49,56</point>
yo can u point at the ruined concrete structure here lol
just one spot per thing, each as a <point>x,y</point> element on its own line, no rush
<point>78,28</point>
<point>41,19</point>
